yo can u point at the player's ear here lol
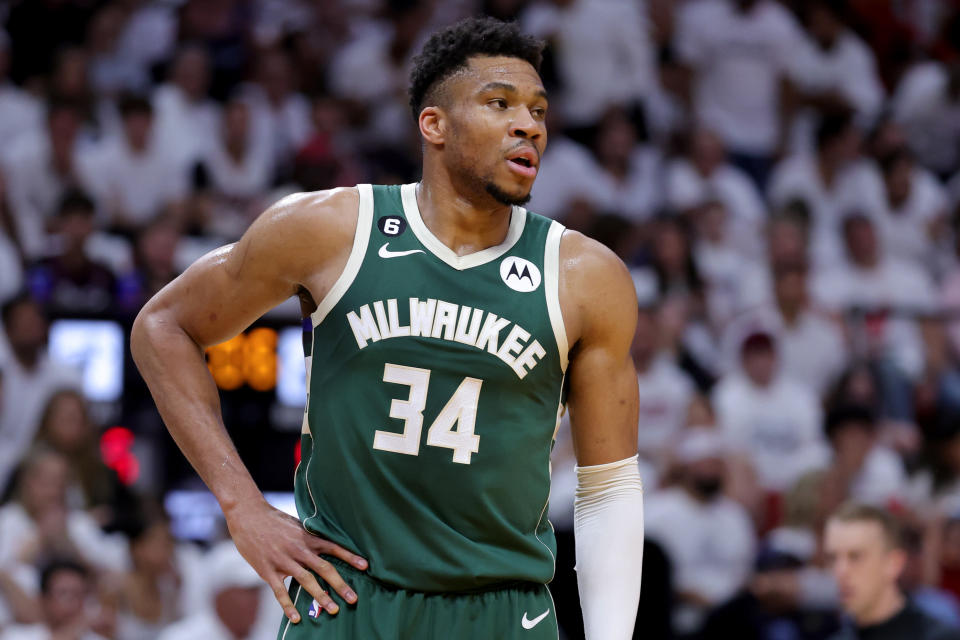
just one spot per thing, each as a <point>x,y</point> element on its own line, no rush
<point>433,125</point>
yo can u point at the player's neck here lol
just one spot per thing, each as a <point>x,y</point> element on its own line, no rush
<point>458,220</point>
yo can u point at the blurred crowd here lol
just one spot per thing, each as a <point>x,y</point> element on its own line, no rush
<point>781,177</point>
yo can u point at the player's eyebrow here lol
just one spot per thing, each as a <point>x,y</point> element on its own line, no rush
<point>504,86</point>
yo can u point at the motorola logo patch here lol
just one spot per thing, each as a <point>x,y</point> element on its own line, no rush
<point>519,274</point>
<point>392,225</point>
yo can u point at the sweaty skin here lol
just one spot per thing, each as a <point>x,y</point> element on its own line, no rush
<point>479,119</point>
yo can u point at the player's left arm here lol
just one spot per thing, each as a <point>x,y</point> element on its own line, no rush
<point>599,306</point>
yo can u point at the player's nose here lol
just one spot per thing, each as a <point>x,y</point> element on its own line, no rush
<point>526,126</point>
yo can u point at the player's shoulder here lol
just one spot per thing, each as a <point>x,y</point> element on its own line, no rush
<point>586,259</point>
<point>309,207</point>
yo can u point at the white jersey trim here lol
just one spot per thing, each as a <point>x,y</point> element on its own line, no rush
<point>518,219</point>
<point>551,285</point>
<point>360,240</point>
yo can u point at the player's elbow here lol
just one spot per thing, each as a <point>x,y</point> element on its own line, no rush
<point>150,328</point>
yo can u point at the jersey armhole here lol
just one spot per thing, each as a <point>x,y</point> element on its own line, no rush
<point>360,240</point>
<point>551,285</point>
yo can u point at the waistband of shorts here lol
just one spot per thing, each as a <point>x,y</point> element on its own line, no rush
<point>346,570</point>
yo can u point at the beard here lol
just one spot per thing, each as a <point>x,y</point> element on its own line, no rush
<point>503,197</point>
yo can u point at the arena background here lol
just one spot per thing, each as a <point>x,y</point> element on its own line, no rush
<point>781,178</point>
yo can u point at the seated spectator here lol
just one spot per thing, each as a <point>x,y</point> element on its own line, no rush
<point>708,537</point>
<point>887,290</point>
<point>831,181</point>
<point>18,596</point>
<point>926,103</point>
<point>787,235</point>
<point>833,69</point>
<point>30,378</point>
<point>703,174</point>
<point>240,167</point>
<point>70,282</point>
<point>66,590</point>
<point>630,172</point>
<point>278,112</point>
<point>39,170</point>
<point>864,548</point>
<point>812,347</point>
<point>235,594</point>
<point>914,220</point>
<point>11,267</point>
<point>154,264</point>
<point>67,429</point>
<point>21,114</point>
<point>39,525</point>
<point>327,159</point>
<point>862,468</point>
<point>162,586</point>
<point>134,175</point>
<point>770,417</point>
<point>665,391</point>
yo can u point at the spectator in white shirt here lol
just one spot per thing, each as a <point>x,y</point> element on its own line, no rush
<point>30,378</point>
<point>111,72</point>
<point>719,252</point>
<point>833,69</point>
<point>39,525</point>
<point>708,537</point>
<point>916,212</point>
<point>770,417</point>
<point>740,52</point>
<point>186,118</point>
<point>862,469</point>
<point>39,170</point>
<point>604,53</point>
<point>20,113</point>
<point>704,174</point>
<point>235,593</point>
<point>630,172</point>
<point>927,103</point>
<point>240,167</point>
<point>883,289</point>
<point>831,182</point>
<point>134,175</point>
<point>665,390</point>
<point>278,113</point>
<point>67,590</point>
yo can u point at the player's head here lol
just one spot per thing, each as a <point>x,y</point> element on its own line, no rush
<point>476,94</point>
<point>864,550</point>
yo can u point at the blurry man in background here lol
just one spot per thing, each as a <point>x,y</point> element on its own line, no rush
<point>863,546</point>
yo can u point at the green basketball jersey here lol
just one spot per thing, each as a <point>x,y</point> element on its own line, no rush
<point>434,389</point>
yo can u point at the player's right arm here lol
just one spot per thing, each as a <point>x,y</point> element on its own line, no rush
<point>299,246</point>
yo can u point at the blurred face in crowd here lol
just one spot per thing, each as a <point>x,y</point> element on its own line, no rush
<point>644,346</point>
<point>63,125</point>
<point>759,360</point>
<point>27,331</point>
<point>864,563</point>
<point>861,239</point>
<point>75,226</point>
<point>823,25</point>
<point>844,148</point>
<point>137,126</point>
<point>191,72</point>
<point>105,29</point>
<point>157,247</point>
<point>44,483</point>
<point>705,478</point>
<point>152,552</point>
<point>66,425</point>
<point>64,600</point>
<point>275,75</point>
<point>712,222</point>
<point>786,242</point>
<point>489,125</point>
<point>706,151</point>
<point>790,288</point>
<point>671,249</point>
<point>236,121</point>
<point>616,139</point>
<point>70,76</point>
<point>852,442</point>
<point>237,609</point>
<point>897,180</point>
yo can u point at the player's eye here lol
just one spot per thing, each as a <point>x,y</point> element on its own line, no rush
<point>539,113</point>
<point>498,103</point>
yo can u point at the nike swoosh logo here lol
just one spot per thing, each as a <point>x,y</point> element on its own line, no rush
<point>385,253</point>
<point>530,624</point>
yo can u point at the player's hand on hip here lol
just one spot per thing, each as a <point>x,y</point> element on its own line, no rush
<point>276,545</point>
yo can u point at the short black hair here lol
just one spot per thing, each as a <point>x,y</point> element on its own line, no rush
<point>75,201</point>
<point>20,299</point>
<point>833,125</point>
<point>131,104</point>
<point>448,50</point>
<point>845,414</point>
<point>59,565</point>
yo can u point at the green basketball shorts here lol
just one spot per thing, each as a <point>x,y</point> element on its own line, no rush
<point>523,611</point>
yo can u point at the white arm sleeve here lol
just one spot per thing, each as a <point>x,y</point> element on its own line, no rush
<point>608,528</point>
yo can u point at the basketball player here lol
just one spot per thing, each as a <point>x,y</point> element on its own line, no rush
<point>449,327</point>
